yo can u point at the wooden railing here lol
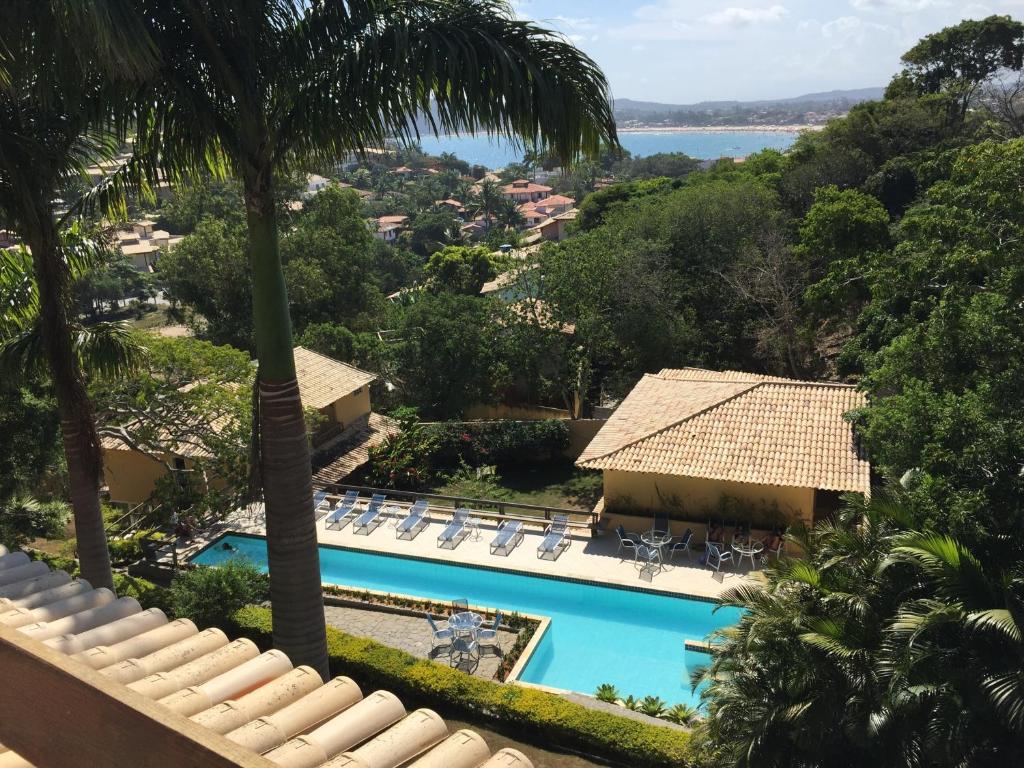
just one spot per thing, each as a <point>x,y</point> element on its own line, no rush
<point>500,508</point>
<point>55,712</point>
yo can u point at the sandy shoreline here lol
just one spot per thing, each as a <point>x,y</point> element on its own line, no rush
<point>722,129</point>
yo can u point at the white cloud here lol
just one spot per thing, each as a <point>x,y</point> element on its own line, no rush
<point>744,17</point>
<point>899,6</point>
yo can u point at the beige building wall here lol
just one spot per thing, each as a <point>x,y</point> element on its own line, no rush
<point>130,476</point>
<point>352,407</point>
<point>650,491</point>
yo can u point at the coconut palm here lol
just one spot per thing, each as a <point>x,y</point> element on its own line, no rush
<point>508,214</point>
<point>487,198</point>
<point>268,86</point>
<point>60,63</point>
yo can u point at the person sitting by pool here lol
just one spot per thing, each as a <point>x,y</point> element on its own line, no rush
<point>772,541</point>
<point>715,534</point>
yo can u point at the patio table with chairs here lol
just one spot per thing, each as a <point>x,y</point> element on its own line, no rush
<point>464,634</point>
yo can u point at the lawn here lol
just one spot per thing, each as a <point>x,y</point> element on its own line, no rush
<point>552,484</point>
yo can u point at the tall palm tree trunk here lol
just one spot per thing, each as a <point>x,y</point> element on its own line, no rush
<point>78,425</point>
<point>293,558</point>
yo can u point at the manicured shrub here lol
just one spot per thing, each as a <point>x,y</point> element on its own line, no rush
<point>209,596</point>
<point>539,715</point>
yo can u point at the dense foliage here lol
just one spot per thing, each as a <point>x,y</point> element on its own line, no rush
<point>422,452</point>
<point>209,596</point>
<point>884,647</point>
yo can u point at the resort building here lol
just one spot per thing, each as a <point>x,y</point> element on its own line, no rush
<point>315,183</point>
<point>554,228</point>
<point>338,391</point>
<point>388,228</point>
<point>523,191</point>
<point>144,243</point>
<point>684,439</point>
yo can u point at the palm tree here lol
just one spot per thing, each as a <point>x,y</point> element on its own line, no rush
<point>508,214</point>
<point>487,199</point>
<point>883,647</point>
<point>286,81</point>
<point>59,68</point>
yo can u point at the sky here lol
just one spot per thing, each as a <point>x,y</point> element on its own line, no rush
<point>684,51</point>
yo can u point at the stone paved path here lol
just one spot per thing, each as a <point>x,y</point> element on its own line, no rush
<point>408,633</point>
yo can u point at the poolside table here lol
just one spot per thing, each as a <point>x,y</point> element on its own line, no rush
<point>465,623</point>
<point>656,539</point>
<point>749,549</point>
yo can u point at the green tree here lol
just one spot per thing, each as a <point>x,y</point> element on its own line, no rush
<point>330,339</point>
<point>209,273</point>
<point>942,343</point>
<point>486,199</point>
<point>836,237</point>
<point>447,355</point>
<point>202,197</point>
<point>460,269</point>
<point>30,453</point>
<point>430,231</point>
<point>192,394</point>
<point>958,59</point>
<point>60,68</point>
<point>209,596</point>
<point>317,80</point>
<point>24,518</point>
<point>882,647</point>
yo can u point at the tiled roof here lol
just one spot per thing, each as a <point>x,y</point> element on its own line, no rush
<point>355,449</point>
<point>727,425</point>
<point>521,185</point>
<point>259,701</point>
<point>323,380</point>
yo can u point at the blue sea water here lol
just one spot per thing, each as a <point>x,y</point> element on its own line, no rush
<point>480,149</point>
<point>633,640</point>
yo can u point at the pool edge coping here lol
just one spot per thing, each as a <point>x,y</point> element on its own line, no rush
<point>439,561</point>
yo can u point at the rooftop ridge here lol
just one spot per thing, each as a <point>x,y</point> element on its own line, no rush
<point>743,378</point>
<point>684,419</point>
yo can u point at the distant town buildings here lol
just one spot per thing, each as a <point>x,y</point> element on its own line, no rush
<point>523,191</point>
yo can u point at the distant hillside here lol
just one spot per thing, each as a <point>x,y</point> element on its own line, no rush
<point>853,96</point>
<point>809,108</point>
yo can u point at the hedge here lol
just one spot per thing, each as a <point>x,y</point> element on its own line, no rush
<point>496,442</point>
<point>553,719</point>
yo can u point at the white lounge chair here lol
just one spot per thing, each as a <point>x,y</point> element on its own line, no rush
<point>556,538</point>
<point>414,522</point>
<point>344,512</point>
<point>509,536</point>
<point>455,531</point>
<point>367,522</point>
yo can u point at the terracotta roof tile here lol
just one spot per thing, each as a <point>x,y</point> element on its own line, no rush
<point>727,425</point>
<point>323,380</point>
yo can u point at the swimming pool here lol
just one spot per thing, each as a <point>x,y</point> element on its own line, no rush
<point>633,640</point>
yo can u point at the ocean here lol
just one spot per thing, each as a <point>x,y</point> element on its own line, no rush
<point>480,149</point>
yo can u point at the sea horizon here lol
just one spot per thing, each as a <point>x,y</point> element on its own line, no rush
<point>700,143</point>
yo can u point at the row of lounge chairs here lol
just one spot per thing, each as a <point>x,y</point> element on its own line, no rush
<point>510,533</point>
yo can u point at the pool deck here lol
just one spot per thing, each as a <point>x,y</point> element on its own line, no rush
<point>586,559</point>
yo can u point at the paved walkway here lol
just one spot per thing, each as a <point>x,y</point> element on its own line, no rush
<point>587,558</point>
<point>408,633</point>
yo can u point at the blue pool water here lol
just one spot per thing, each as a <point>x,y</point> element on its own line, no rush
<point>633,640</point>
